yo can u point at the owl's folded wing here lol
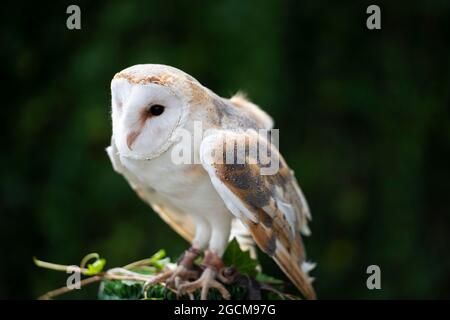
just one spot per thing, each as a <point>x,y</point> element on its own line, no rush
<point>271,206</point>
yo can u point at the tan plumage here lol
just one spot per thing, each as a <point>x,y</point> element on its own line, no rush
<point>272,206</point>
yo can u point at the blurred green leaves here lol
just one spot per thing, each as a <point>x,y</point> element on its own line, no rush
<point>363,119</point>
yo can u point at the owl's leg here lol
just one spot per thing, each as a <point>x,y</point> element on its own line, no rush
<point>186,270</point>
<point>212,262</point>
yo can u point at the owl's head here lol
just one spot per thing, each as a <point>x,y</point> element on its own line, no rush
<point>149,103</point>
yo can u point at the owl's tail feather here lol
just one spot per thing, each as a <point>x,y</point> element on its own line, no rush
<point>295,272</point>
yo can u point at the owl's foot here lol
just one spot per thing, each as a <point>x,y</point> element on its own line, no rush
<point>208,279</point>
<point>185,271</point>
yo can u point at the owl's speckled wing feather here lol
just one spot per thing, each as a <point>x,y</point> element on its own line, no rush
<point>272,206</point>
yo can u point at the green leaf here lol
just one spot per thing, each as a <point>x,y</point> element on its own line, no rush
<point>159,259</point>
<point>158,256</point>
<point>95,267</point>
<point>241,260</point>
<point>264,278</point>
<point>119,290</point>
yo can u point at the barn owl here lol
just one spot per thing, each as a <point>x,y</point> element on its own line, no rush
<point>205,200</point>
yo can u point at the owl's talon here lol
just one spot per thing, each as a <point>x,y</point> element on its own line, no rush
<point>205,282</point>
<point>158,279</point>
<point>178,279</point>
<point>173,279</point>
<point>180,275</point>
<point>208,279</point>
<point>228,275</point>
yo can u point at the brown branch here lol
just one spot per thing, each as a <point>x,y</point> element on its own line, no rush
<point>57,292</point>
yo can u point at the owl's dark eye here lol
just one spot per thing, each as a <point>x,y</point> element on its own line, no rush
<point>156,110</point>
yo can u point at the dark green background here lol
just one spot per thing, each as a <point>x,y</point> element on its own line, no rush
<point>363,117</point>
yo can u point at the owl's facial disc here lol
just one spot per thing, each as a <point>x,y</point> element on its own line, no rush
<point>144,118</point>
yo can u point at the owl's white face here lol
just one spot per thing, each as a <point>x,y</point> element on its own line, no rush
<point>144,117</point>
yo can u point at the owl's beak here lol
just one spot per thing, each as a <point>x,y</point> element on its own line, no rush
<point>131,137</point>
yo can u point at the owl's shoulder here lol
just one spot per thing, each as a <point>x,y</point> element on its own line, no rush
<point>252,110</point>
<point>239,113</point>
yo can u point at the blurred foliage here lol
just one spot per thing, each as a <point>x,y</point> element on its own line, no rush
<point>128,290</point>
<point>364,121</point>
<point>245,281</point>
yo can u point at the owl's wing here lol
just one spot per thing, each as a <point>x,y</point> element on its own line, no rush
<point>182,223</point>
<point>271,206</point>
